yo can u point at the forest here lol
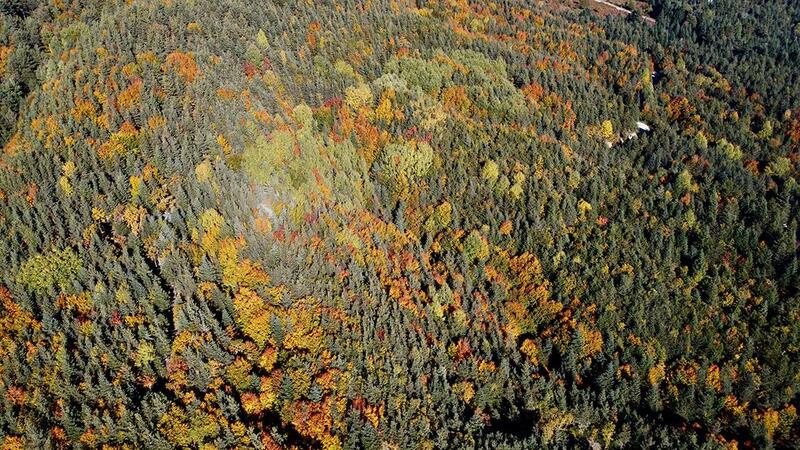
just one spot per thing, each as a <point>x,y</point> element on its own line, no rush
<point>399,224</point>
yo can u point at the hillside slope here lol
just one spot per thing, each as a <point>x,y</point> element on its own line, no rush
<point>393,224</point>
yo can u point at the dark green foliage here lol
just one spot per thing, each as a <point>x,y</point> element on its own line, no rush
<point>398,225</point>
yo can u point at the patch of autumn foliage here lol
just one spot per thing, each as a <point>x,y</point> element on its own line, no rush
<point>183,64</point>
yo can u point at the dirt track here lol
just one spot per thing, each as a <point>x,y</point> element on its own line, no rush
<point>621,9</point>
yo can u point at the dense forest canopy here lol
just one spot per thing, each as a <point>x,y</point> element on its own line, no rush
<point>399,224</point>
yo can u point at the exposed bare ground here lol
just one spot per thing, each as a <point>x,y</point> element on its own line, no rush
<point>622,10</point>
